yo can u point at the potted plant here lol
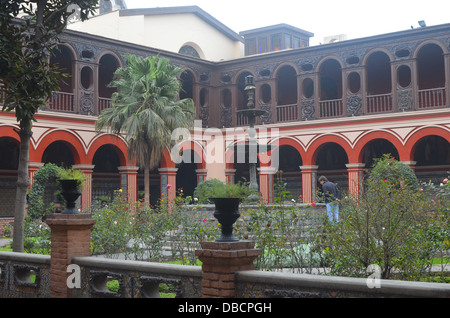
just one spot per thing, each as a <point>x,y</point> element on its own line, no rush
<point>226,200</point>
<point>71,180</point>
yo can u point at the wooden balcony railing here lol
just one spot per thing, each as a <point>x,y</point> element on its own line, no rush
<point>287,113</point>
<point>330,108</point>
<point>379,103</point>
<point>373,104</point>
<point>61,101</point>
<point>430,98</point>
<point>103,103</point>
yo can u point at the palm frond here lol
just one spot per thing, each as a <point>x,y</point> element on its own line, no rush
<point>145,107</point>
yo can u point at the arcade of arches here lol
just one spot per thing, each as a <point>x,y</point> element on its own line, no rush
<point>104,162</point>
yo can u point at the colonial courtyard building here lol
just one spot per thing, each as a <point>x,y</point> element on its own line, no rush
<point>331,109</point>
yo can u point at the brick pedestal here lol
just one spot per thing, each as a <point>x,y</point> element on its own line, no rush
<point>221,260</point>
<point>70,237</point>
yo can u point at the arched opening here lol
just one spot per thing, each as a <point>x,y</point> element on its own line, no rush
<point>287,94</point>
<point>62,56</point>
<point>431,76</point>
<point>432,156</point>
<point>379,83</point>
<point>63,99</point>
<point>287,86</point>
<point>9,155</point>
<point>376,149</point>
<point>107,66</point>
<point>189,50</point>
<point>105,176</point>
<point>330,89</point>
<point>330,80</point>
<point>266,94</point>
<point>59,153</point>
<point>187,85</point>
<point>186,174</point>
<point>289,167</point>
<point>331,159</point>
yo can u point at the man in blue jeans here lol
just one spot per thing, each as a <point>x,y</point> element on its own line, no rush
<point>332,196</point>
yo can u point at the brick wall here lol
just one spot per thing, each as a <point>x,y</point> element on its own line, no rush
<point>70,237</point>
<point>220,262</point>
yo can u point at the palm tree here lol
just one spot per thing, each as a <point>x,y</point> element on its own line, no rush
<point>146,109</point>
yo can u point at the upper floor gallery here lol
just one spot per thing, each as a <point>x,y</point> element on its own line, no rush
<point>397,72</point>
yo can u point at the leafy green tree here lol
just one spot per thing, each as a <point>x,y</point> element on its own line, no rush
<point>29,31</point>
<point>146,109</point>
<point>388,226</point>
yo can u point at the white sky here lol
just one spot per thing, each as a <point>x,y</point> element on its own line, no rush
<point>355,18</point>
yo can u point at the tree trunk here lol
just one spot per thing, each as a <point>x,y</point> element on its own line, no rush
<point>147,186</point>
<point>23,183</point>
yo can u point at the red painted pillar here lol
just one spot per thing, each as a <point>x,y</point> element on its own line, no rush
<point>355,178</point>
<point>33,167</point>
<point>128,182</point>
<point>309,182</point>
<point>168,181</point>
<point>86,189</point>
<point>229,175</point>
<point>266,179</point>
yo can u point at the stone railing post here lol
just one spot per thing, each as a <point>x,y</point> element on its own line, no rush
<point>220,262</point>
<point>70,237</point>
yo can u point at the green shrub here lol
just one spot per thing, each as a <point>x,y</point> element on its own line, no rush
<point>112,230</point>
<point>207,189</point>
<point>44,176</point>
<point>214,188</point>
<point>396,173</point>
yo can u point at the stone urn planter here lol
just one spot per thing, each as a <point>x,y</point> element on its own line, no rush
<point>226,212</point>
<point>70,190</point>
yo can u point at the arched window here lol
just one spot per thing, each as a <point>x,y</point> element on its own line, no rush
<point>330,80</point>
<point>431,76</point>
<point>63,56</point>
<point>287,86</point>
<point>108,65</point>
<point>189,51</point>
<point>187,82</point>
<point>379,83</point>
<point>330,89</point>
